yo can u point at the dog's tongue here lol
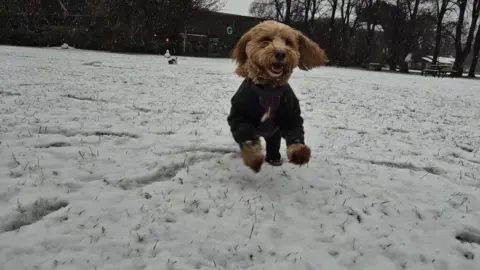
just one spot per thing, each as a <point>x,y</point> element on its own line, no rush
<point>277,68</point>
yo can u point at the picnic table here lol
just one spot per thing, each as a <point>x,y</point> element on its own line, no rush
<point>439,70</point>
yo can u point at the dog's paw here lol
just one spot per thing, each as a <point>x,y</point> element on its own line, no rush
<point>254,161</point>
<point>253,156</point>
<point>298,154</point>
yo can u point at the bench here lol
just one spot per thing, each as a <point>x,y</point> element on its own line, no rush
<point>374,66</point>
<point>439,71</point>
<point>432,71</point>
<point>447,70</point>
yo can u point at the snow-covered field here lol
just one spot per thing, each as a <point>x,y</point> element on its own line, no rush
<point>117,161</point>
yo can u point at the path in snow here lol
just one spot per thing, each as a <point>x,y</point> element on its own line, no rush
<point>114,161</point>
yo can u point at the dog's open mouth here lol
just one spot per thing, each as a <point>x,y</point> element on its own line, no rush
<point>275,70</point>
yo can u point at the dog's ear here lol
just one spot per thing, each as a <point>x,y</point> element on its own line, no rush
<point>311,55</point>
<point>239,52</point>
<point>240,55</point>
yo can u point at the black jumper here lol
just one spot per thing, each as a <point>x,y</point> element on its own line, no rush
<point>272,113</point>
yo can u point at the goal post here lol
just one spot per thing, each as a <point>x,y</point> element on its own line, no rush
<point>184,36</point>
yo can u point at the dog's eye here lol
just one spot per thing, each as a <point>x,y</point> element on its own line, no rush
<point>289,42</point>
<point>266,40</point>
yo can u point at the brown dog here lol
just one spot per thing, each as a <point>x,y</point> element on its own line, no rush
<point>265,105</point>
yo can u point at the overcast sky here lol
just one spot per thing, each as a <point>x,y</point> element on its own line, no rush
<point>237,7</point>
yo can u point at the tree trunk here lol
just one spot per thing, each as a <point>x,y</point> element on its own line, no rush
<point>332,25</point>
<point>369,42</point>
<point>441,11</point>
<point>371,25</point>
<point>288,12</point>
<point>458,64</point>
<point>347,30</point>
<point>343,31</point>
<point>392,59</point>
<point>410,36</point>
<point>473,66</point>
<point>279,15</point>
<point>461,53</point>
<point>438,40</point>
<point>313,13</point>
<point>404,66</point>
<point>476,52</point>
<point>306,17</point>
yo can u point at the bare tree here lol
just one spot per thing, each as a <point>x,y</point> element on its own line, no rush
<point>369,10</point>
<point>286,11</point>
<point>441,9</point>
<point>461,52</point>
<point>287,18</point>
<point>349,25</point>
<point>64,6</point>
<point>333,10</point>
<point>392,18</point>
<point>126,23</point>
<point>476,52</point>
<point>412,7</point>
<point>212,5</point>
<point>264,9</point>
<point>311,10</point>
<point>307,5</point>
<point>293,12</point>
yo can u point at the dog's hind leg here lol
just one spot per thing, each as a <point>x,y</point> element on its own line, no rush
<point>273,156</point>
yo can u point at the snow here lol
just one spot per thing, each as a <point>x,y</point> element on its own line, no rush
<point>120,161</point>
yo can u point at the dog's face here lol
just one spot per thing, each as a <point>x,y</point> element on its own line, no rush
<point>270,51</point>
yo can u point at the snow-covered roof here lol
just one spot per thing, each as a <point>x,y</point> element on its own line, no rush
<point>363,25</point>
<point>441,59</point>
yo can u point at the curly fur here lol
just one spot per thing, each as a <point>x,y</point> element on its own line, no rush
<point>298,154</point>
<point>253,156</point>
<point>255,52</point>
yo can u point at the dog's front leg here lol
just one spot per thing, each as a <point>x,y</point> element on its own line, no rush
<point>298,154</point>
<point>252,155</point>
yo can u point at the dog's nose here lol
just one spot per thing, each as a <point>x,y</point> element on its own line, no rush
<point>280,55</point>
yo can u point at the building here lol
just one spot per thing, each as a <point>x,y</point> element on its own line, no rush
<point>214,34</point>
<point>52,23</point>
